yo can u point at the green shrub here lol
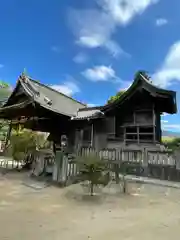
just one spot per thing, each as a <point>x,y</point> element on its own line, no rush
<point>24,142</point>
<point>93,169</point>
<point>172,143</point>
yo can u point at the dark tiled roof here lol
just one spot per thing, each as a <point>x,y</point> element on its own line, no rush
<point>154,90</point>
<point>62,104</point>
<point>47,97</point>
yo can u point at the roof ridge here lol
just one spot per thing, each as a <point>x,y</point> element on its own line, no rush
<point>153,85</point>
<point>44,85</point>
<point>134,83</point>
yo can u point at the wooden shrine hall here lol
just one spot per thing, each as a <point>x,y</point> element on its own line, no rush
<point>131,120</point>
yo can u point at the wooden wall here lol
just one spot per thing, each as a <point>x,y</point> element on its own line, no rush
<point>135,125</point>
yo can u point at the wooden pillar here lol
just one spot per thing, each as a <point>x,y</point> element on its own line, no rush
<point>145,162</point>
<point>92,135</point>
<point>154,124</point>
<point>54,148</point>
<point>134,117</point>
<point>124,135</point>
<point>138,134</point>
<point>159,128</point>
<point>80,138</point>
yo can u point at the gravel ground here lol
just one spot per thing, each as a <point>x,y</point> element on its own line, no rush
<point>50,213</point>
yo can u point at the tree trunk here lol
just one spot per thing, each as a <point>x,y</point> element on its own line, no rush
<point>92,188</point>
<point>124,184</point>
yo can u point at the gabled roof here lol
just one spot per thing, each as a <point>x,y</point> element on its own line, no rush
<point>143,83</point>
<point>57,102</point>
<point>44,96</point>
<point>139,82</point>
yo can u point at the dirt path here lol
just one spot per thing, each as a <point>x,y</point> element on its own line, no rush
<point>53,214</point>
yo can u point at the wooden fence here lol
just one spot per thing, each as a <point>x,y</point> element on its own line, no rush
<point>128,155</point>
<point>157,164</point>
<point>10,164</point>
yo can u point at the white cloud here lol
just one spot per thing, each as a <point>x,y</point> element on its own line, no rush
<point>100,73</point>
<point>1,65</point>
<point>171,127</point>
<point>91,27</point>
<point>164,121</point>
<point>94,28</point>
<point>123,11</point>
<point>80,58</point>
<point>90,41</point>
<point>169,72</point>
<point>161,21</point>
<point>67,88</point>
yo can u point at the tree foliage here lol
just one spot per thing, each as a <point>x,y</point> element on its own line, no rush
<point>117,96</point>
<point>171,143</point>
<point>5,91</point>
<point>24,142</point>
<point>93,169</point>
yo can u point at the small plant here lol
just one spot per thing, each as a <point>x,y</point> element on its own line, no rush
<point>93,169</point>
<point>129,168</point>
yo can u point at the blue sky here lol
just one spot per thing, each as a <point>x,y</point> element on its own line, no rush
<point>91,49</point>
